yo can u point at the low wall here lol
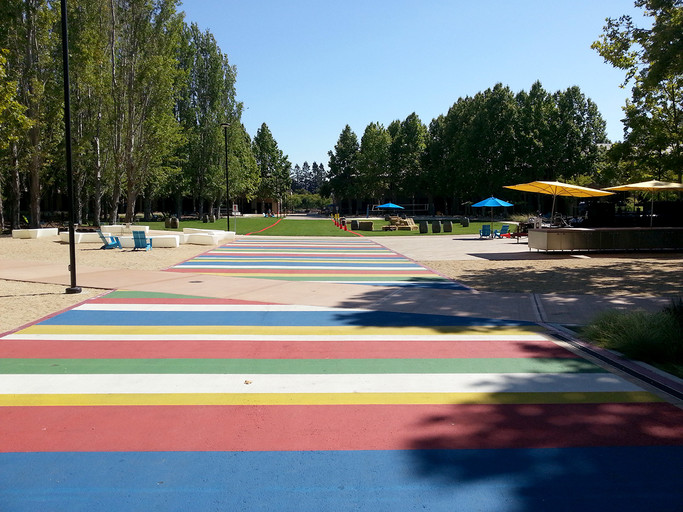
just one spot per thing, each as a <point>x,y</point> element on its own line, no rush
<point>606,239</point>
<point>34,233</point>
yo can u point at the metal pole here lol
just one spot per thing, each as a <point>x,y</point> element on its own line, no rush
<point>69,171</point>
<point>227,182</point>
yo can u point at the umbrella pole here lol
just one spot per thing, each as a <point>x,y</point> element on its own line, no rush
<point>652,208</point>
<point>552,210</point>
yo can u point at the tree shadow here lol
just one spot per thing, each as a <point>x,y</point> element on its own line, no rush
<point>606,278</point>
<point>578,439</point>
<point>571,456</point>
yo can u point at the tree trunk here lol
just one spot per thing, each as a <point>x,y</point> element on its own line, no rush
<point>147,201</point>
<point>97,209</point>
<point>2,211</point>
<point>131,198</point>
<point>178,205</point>
<point>115,198</point>
<point>15,206</point>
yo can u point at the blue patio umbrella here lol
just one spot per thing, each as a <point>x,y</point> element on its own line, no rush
<point>491,202</point>
<point>391,206</point>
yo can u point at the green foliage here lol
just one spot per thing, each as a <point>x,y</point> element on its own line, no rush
<point>651,59</point>
<point>483,143</point>
<point>274,166</point>
<point>343,172</point>
<point>13,120</point>
<point>655,338</point>
<point>307,201</point>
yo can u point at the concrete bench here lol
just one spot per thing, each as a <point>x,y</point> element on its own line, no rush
<point>34,233</point>
<point>202,238</point>
<point>81,238</point>
<point>207,236</point>
<point>120,229</point>
<point>157,241</point>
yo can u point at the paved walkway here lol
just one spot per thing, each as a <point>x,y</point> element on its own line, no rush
<point>203,392</point>
<point>549,308</point>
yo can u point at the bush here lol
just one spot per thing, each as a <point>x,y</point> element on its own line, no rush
<point>648,337</point>
<point>676,311</point>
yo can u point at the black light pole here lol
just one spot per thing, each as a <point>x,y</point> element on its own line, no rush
<point>227,182</point>
<point>69,172</point>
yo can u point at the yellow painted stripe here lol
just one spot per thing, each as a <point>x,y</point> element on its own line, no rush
<point>130,399</point>
<point>324,330</point>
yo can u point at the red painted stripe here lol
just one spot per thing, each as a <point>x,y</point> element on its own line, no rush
<point>164,349</point>
<point>332,427</point>
<point>303,271</point>
<point>267,227</point>
<point>172,300</point>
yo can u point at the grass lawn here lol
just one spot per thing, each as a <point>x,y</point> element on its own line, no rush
<point>309,227</point>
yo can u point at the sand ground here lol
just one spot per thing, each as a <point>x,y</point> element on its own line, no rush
<point>628,274</point>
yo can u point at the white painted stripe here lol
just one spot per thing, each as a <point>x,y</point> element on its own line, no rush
<point>211,307</point>
<point>301,267</point>
<point>266,337</point>
<point>314,383</point>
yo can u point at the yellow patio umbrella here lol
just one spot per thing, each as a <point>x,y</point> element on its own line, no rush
<point>649,186</point>
<point>556,188</point>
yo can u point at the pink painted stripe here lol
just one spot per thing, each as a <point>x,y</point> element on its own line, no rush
<point>165,349</point>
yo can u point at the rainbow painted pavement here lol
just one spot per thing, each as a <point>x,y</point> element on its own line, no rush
<point>141,401</point>
<point>349,261</point>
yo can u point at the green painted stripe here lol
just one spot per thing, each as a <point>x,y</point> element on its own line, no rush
<point>150,295</point>
<point>295,366</point>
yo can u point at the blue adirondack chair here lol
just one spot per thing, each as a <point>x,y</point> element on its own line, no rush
<point>504,232</point>
<point>111,242</point>
<point>485,231</point>
<point>141,241</point>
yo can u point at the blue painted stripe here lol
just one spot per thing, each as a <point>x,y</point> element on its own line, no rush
<point>270,318</point>
<point>561,480</point>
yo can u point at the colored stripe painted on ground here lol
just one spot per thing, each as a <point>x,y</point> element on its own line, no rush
<point>350,261</point>
<point>283,407</point>
<point>298,366</point>
<point>338,427</point>
<point>314,383</point>
<point>101,399</point>
<point>278,349</point>
<point>512,480</point>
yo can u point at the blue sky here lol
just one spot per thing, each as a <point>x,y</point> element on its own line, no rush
<point>307,68</point>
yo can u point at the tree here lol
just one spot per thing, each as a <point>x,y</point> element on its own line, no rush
<point>373,161</point>
<point>274,167</point>
<point>28,31</point>
<point>13,121</point>
<point>578,130</point>
<point>652,59</point>
<point>343,167</point>
<point>407,152</point>
<point>207,100</point>
<point>145,38</point>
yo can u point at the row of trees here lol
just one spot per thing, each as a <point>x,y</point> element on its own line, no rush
<point>497,137</point>
<point>483,142</point>
<point>149,95</point>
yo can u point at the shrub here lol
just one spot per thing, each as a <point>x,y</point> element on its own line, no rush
<point>649,337</point>
<point>675,309</point>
